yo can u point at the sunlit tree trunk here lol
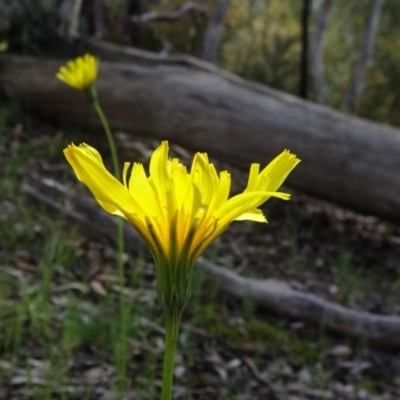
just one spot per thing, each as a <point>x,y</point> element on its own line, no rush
<point>357,81</point>
<point>317,62</point>
<point>214,31</point>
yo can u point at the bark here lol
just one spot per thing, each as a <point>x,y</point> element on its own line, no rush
<point>347,160</point>
<point>272,294</point>
<point>357,81</point>
<point>317,62</point>
<point>214,31</point>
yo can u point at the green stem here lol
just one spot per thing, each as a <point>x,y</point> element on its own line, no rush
<point>117,173</point>
<point>114,156</point>
<point>109,135</point>
<point>172,322</point>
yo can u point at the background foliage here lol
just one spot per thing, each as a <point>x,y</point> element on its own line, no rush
<point>261,41</point>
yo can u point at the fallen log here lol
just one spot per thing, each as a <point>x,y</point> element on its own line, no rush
<point>347,160</point>
<point>272,294</point>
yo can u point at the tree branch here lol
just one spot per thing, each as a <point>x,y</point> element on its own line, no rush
<point>169,16</point>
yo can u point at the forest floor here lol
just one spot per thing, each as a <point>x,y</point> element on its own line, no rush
<point>63,335</point>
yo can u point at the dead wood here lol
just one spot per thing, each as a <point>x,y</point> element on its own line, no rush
<point>274,295</point>
<point>172,16</point>
<point>347,160</point>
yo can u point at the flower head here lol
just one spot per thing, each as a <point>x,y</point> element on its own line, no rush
<point>178,212</point>
<point>80,73</point>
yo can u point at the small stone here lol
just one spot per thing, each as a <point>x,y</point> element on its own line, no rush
<point>305,376</point>
<point>340,350</point>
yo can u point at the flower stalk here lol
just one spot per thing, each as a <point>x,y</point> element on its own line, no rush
<point>81,74</point>
<point>110,139</point>
<point>172,323</point>
<point>117,172</point>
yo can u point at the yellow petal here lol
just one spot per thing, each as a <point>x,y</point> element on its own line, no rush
<point>159,177</point>
<point>253,175</point>
<point>140,189</point>
<point>108,191</point>
<point>177,213</point>
<point>255,215</point>
<point>243,203</point>
<point>278,170</point>
<point>181,182</point>
<point>224,188</point>
<point>202,177</point>
<point>80,73</point>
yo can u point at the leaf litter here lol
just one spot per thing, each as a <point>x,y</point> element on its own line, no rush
<point>60,338</point>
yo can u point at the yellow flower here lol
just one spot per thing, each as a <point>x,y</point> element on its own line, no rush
<point>80,73</point>
<point>178,212</point>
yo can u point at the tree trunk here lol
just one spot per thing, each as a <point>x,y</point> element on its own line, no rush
<point>100,29</point>
<point>214,31</point>
<point>348,160</point>
<point>317,61</point>
<point>357,81</point>
<point>305,16</point>
<point>70,11</point>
